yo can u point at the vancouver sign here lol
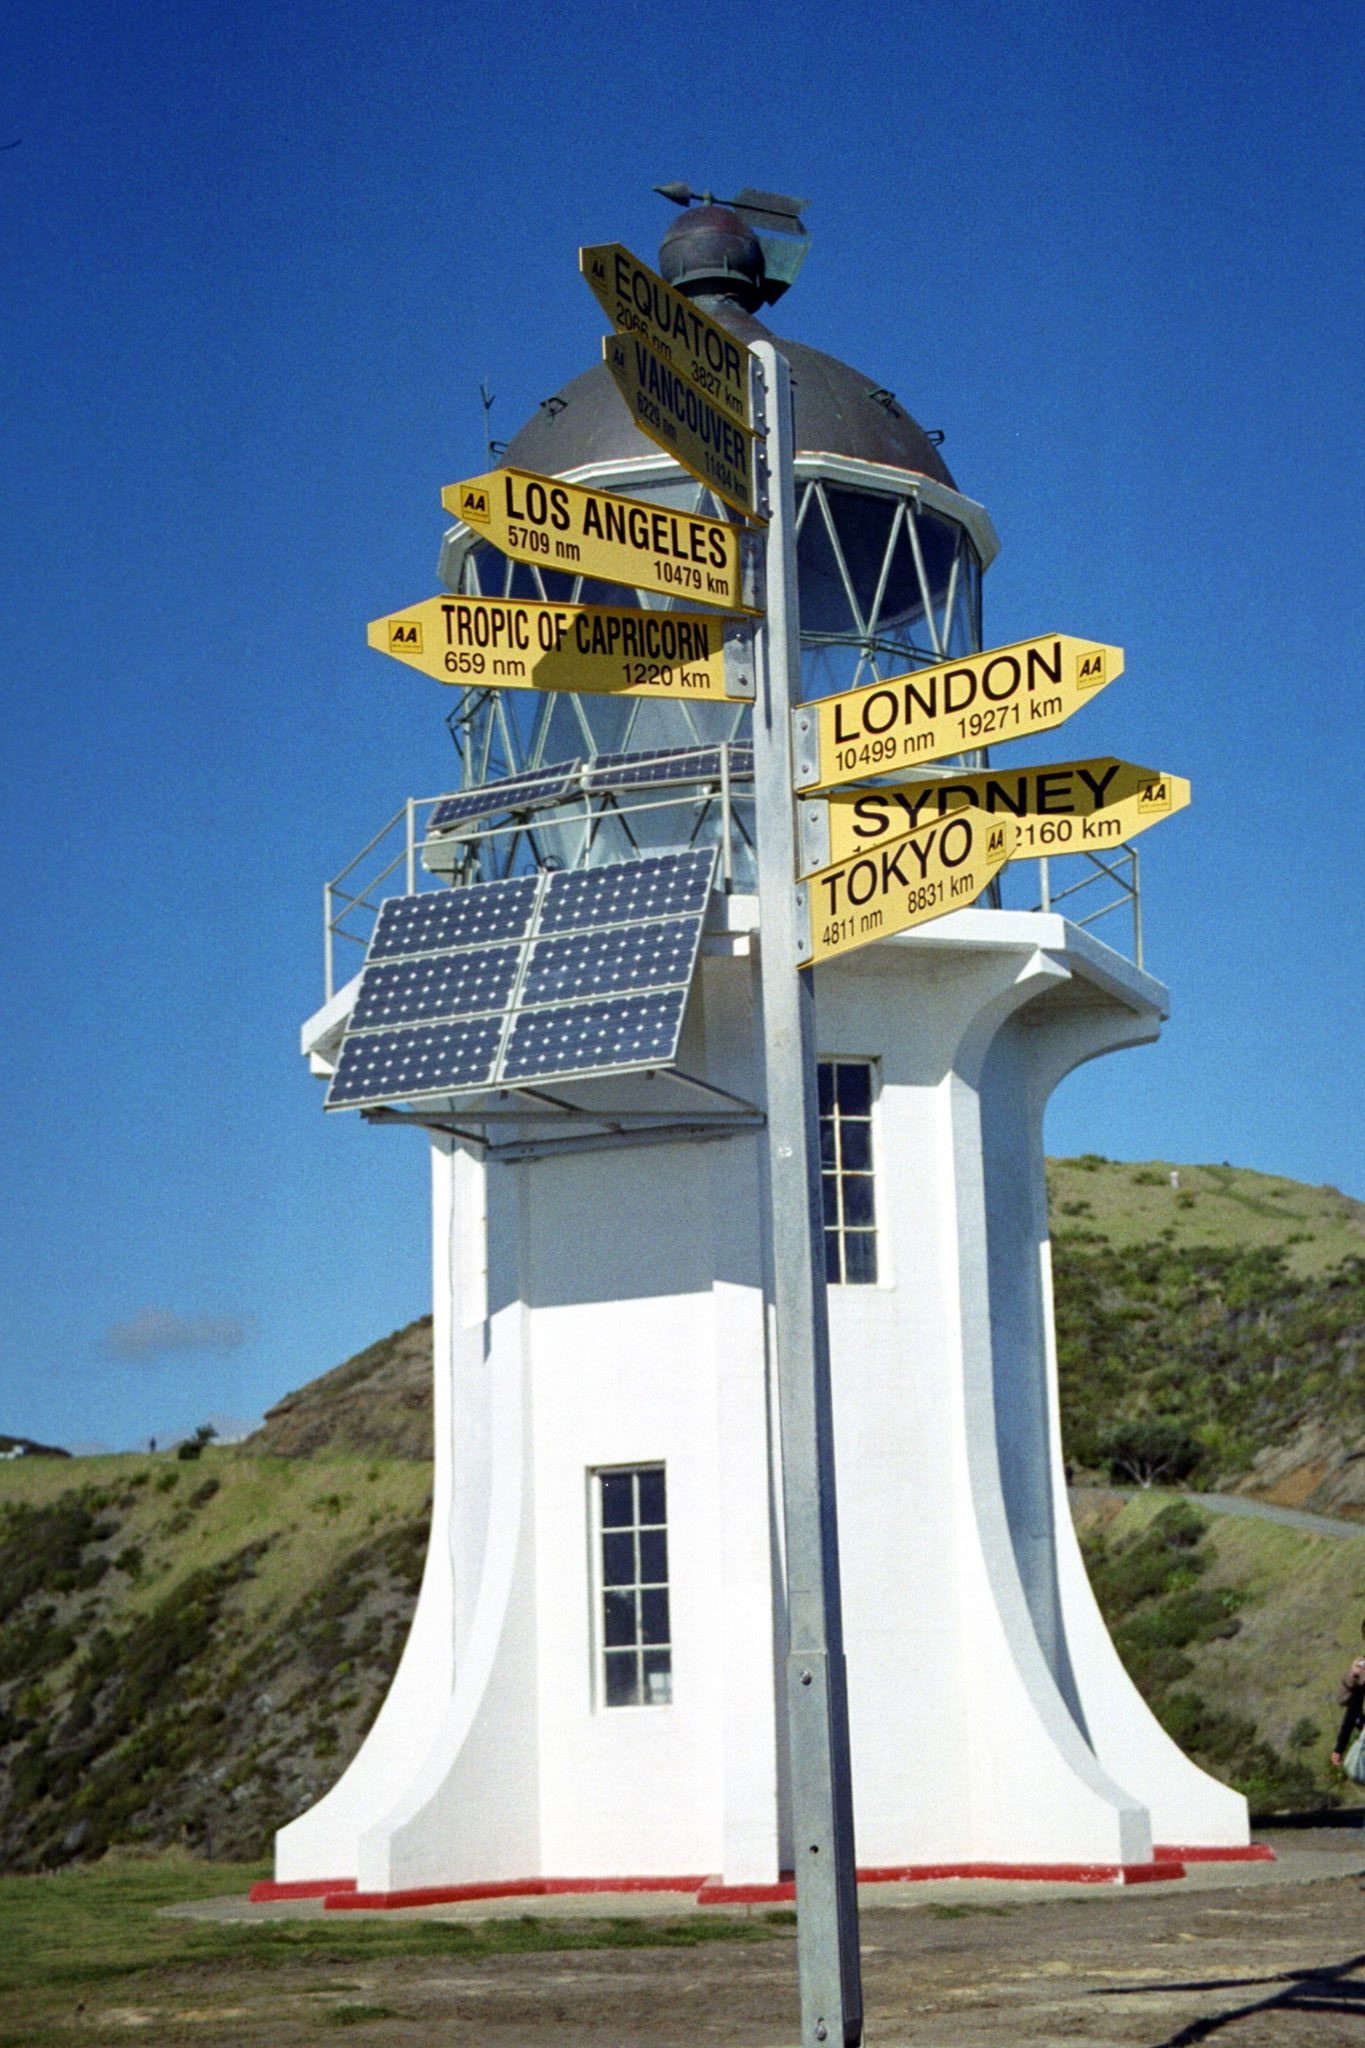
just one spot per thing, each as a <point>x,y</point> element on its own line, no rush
<point>686,424</point>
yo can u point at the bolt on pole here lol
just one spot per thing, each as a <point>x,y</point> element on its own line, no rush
<point>817,1697</point>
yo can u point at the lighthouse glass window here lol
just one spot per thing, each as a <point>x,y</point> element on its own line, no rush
<point>846,1090</point>
<point>637,1653</point>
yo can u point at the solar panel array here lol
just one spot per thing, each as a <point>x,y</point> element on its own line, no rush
<point>541,977</point>
<point>539,787</point>
<point>513,793</point>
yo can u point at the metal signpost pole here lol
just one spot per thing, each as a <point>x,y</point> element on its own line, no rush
<point>817,1701</point>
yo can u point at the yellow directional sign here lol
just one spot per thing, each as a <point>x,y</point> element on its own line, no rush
<point>506,643</point>
<point>942,866</point>
<point>594,533</point>
<point>638,301</point>
<point>980,700</point>
<point>684,422</point>
<point>1069,807</point>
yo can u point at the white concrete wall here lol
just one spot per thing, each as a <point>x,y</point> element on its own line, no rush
<point>608,1309</point>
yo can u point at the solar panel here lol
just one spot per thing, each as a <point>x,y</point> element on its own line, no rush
<point>500,982</point>
<point>663,884</point>
<point>390,1066</point>
<point>629,956</point>
<point>590,1038</point>
<point>513,793</point>
<point>673,764</point>
<point>442,918</point>
<point>436,985</point>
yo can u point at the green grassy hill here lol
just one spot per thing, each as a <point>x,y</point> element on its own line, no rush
<point>191,1649</point>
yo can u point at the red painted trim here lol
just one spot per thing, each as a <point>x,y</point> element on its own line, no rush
<point>717,1894</point>
<point>712,1891</point>
<point>353,1901</point>
<point>1247,1852</point>
<point>299,1888</point>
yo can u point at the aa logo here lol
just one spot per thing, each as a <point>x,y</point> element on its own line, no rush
<point>1155,796</point>
<point>598,270</point>
<point>996,842</point>
<point>618,356</point>
<point>474,506</point>
<point>405,636</point>
<point>1090,669</point>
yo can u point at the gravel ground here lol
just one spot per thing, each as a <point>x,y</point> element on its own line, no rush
<point>1251,1956</point>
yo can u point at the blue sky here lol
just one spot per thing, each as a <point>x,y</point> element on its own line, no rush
<point>255,266</point>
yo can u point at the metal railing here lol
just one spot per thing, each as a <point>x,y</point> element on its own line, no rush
<point>620,825</point>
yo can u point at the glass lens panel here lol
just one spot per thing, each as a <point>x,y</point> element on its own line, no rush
<point>858,1199</point>
<point>855,1089</point>
<point>617,1501</point>
<point>653,1557</point>
<point>652,1496</point>
<point>938,545</point>
<point>902,606</point>
<point>833,1270</point>
<point>618,1560</point>
<point>824,600</point>
<point>622,1678</point>
<point>658,1678</point>
<point>654,1615</point>
<point>860,1256</point>
<point>863,524</point>
<point>618,1618</point>
<point>855,1145</point>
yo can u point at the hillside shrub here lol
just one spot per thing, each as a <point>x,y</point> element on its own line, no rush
<point>1151,1447</point>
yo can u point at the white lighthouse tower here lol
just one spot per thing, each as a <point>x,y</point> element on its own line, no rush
<point>591,1694</point>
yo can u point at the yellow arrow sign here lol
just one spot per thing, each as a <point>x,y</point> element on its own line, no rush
<point>940,867</point>
<point>683,421</point>
<point>638,301</point>
<point>978,701</point>
<point>520,644</point>
<point>616,540</point>
<point>1069,807</point>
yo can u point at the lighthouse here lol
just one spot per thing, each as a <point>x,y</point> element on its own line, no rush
<point>592,1693</point>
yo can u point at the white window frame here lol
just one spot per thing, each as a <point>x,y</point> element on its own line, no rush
<point>599,1589</point>
<point>873,1175</point>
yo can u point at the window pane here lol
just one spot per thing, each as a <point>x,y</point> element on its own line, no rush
<point>622,1686</point>
<point>833,1271</point>
<point>618,1619</point>
<point>829,1190</point>
<point>654,1615</point>
<point>854,1080</point>
<point>855,1147</point>
<point>827,1142</point>
<point>617,1500</point>
<point>858,1200</point>
<point>658,1677</point>
<point>618,1560</point>
<point>652,1495</point>
<point>860,1257</point>
<point>826,1084</point>
<point>632,1590</point>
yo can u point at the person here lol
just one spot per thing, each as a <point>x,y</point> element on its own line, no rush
<point>1352,1698</point>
